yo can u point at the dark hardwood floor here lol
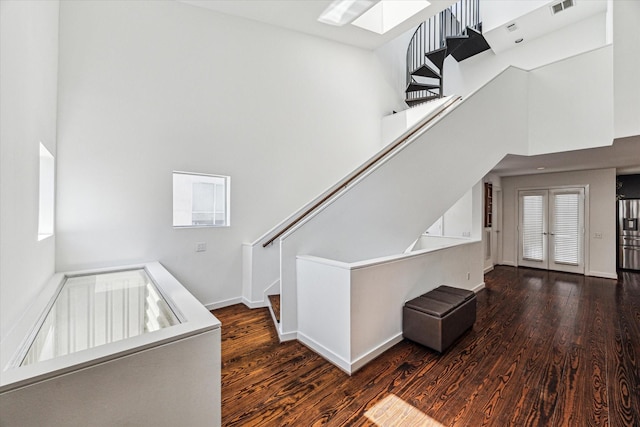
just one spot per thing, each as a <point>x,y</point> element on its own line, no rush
<point>547,349</point>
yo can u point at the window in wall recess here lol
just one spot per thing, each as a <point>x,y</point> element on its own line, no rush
<point>46,192</point>
<point>200,200</point>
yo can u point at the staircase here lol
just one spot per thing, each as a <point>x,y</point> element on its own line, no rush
<point>456,31</point>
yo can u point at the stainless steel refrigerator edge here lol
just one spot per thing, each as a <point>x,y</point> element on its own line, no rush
<point>629,234</point>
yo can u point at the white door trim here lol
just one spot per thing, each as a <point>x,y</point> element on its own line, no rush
<point>586,221</point>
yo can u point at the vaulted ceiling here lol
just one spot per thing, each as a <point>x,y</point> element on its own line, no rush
<point>302,16</point>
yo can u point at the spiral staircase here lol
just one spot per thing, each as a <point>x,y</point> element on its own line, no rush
<point>456,31</point>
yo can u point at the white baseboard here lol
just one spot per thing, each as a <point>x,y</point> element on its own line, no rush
<point>478,288</point>
<point>287,336</point>
<point>603,275</point>
<point>348,367</point>
<point>223,303</point>
<point>238,300</point>
<point>325,352</point>
<point>488,269</point>
<point>254,304</point>
<point>369,356</point>
<point>509,263</point>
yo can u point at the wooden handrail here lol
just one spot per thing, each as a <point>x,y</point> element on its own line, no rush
<point>362,169</point>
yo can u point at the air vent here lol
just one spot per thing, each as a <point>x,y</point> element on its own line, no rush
<point>560,6</point>
<point>512,27</point>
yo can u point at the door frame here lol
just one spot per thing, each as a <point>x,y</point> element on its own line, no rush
<point>587,221</point>
<point>497,232</point>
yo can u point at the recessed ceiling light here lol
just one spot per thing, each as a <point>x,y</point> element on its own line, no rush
<point>541,168</point>
<point>520,40</point>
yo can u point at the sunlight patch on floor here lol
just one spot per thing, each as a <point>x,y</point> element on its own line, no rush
<point>395,412</point>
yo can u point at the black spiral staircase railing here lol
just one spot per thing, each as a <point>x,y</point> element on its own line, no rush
<point>455,31</point>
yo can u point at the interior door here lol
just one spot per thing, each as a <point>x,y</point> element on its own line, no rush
<point>551,229</point>
<point>533,227</point>
<point>566,230</point>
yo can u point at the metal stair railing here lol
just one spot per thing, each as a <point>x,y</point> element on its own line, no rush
<point>431,35</point>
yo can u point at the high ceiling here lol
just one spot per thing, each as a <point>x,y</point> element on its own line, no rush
<point>302,16</point>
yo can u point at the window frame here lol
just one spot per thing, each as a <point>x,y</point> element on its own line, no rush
<point>227,200</point>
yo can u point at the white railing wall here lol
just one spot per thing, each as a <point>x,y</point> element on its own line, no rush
<point>352,312</point>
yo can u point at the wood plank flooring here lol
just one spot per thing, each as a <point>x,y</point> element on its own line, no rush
<point>547,349</point>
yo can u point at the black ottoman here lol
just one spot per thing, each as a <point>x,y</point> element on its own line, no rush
<point>437,318</point>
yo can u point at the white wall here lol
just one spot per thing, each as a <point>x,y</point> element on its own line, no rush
<point>28,83</point>
<point>462,78</point>
<point>601,259</point>
<point>457,221</point>
<point>495,13</point>
<point>393,58</point>
<point>592,121</point>
<point>151,87</point>
<point>395,125</point>
<point>626,63</point>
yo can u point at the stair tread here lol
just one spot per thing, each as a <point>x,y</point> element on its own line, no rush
<point>414,86</point>
<point>454,42</point>
<point>437,57</point>
<point>425,71</point>
<point>475,44</point>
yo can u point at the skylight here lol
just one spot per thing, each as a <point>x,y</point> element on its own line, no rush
<point>387,14</point>
<point>342,12</point>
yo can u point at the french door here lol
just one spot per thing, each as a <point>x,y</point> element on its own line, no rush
<point>551,229</point>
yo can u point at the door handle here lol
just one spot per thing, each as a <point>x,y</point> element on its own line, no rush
<point>544,234</point>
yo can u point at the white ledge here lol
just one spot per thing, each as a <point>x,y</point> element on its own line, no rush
<point>381,260</point>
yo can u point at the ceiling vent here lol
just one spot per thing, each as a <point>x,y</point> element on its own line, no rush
<point>512,27</point>
<point>560,6</point>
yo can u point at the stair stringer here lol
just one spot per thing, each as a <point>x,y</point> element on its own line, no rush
<point>384,211</point>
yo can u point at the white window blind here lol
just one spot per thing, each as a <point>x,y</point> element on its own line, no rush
<point>566,223</point>
<point>532,227</point>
